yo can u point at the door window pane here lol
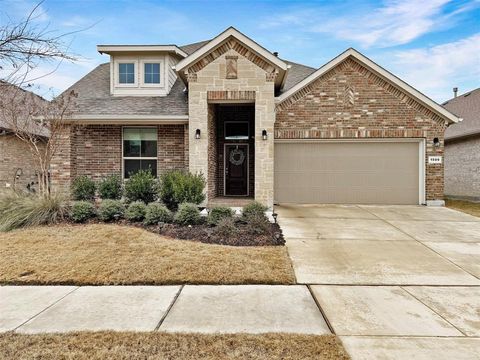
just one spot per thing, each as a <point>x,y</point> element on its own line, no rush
<point>126,73</point>
<point>236,130</point>
<point>152,73</point>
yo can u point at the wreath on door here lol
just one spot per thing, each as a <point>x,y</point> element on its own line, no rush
<point>237,157</point>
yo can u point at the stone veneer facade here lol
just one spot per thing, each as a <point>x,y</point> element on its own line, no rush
<point>351,102</point>
<point>209,84</point>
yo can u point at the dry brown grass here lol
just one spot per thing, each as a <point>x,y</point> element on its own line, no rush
<point>468,207</point>
<point>155,345</point>
<point>100,254</point>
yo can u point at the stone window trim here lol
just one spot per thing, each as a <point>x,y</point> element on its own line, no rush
<point>137,157</point>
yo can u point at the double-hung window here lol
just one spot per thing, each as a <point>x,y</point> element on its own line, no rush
<point>151,73</point>
<point>139,150</point>
<point>126,73</point>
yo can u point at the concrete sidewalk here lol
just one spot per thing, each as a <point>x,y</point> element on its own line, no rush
<point>205,309</point>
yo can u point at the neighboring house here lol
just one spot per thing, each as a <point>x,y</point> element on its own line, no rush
<point>257,126</point>
<point>18,168</point>
<point>462,147</point>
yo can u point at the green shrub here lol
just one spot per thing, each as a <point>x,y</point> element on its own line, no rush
<point>111,187</point>
<point>226,227</point>
<point>218,213</point>
<point>82,211</point>
<point>111,210</point>
<point>83,188</point>
<point>188,214</point>
<point>258,224</point>
<point>141,186</point>
<point>157,213</point>
<point>136,211</point>
<point>21,210</point>
<point>178,187</point>
<point>254,208</point>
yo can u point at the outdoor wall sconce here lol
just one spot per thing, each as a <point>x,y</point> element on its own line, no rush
<point>264,134</point>
<point>197,134</point>
<point>274,215</point>
<point>436,142</point>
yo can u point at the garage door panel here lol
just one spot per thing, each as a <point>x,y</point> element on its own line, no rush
<point>347,172</point>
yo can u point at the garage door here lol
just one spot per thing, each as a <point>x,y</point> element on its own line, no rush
<point>352,172</point>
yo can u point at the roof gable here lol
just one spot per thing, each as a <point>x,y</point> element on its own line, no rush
<point>394,81</point>
<point>468,107</point>
<point>232,39</point>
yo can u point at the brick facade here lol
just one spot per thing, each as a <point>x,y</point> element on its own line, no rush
<point>351,102</point>
<point>16,155</point>
<point>462,168</point>
<point>96,151</point>
<point>348,102</point>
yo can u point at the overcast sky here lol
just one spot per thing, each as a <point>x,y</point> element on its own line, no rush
<point>433,45</point>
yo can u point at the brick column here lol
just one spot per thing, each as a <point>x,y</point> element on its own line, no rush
<point>62,167</point>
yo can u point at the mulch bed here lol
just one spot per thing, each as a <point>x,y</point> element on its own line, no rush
<point>206,234</point>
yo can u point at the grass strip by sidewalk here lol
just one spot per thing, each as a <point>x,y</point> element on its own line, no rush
<point>101,254</point>
<point>472,208</point>
<point>158,345</point>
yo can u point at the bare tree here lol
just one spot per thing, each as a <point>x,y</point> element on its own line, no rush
<point>32,119</point>
<point>38,123</point>
<point>23,45</point>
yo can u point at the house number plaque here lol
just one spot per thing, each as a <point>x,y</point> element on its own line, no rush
<point>434,159</point>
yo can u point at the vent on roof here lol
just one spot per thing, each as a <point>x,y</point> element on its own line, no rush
<point>467,94</point>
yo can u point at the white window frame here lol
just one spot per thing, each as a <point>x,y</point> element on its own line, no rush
<point>137,157</point>
<point>162,72</point>
<point>117,72</point>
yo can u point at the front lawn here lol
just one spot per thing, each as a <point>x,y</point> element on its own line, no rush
<point>158,345</point>
<point>111,254</point>
<point>472,208</point>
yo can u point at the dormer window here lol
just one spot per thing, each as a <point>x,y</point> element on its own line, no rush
<point>151,73</point>
<point>126,73</point>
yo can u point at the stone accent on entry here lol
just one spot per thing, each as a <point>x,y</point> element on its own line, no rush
<point>252,86</point>
<point>231,67</point>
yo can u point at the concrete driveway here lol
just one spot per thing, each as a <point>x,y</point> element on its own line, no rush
<point>394,282</point>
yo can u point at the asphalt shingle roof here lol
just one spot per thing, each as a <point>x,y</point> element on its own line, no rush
<point>94,96</point>
<point>466,106</point>
<point>295,74</point>
<point>12,95</point>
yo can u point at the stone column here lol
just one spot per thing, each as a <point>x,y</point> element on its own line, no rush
<point>198,119</point>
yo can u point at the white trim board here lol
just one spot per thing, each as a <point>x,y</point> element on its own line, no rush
<point>108,49</point>
<point>386,75</point>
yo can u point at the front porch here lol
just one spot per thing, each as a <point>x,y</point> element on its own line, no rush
<point>231,142</point>
<point>233,202</point>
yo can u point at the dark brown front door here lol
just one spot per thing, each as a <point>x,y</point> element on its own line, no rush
<point>236,170</point>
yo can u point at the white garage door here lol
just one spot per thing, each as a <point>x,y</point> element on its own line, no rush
<point>354,172</point>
